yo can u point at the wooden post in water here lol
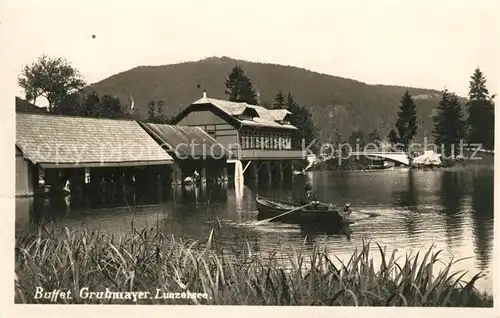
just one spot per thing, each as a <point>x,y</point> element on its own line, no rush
<point>224,174</point>
<point>255,170</point>
<point>77,179</point>
<point>95,180</point>
<point>287,170</point>
<point>203,175</point>
<point>176,175</point>
<point>279,170</point>
<point>267,171</point>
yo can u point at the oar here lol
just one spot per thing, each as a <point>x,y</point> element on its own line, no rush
<point>367,213</point>
<point>277,216</point>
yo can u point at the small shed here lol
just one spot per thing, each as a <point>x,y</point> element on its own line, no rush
<point>63,148</point>
<point>194,151</point>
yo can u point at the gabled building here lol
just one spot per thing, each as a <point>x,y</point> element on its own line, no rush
<point>256,137</point>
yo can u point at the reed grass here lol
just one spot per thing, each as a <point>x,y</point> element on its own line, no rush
<point>147,259</point>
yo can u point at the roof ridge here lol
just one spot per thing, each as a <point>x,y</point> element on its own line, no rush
<point>75,116</point>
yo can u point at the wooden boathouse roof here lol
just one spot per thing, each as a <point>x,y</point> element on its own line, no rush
<point>59,141</point>
<point>186,141</point>
<point>255,115</point>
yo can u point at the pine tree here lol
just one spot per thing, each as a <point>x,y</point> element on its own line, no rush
<point>155,112</point>
<point>279,101</point>
<point>151,110</point>
<point>302,119</point>
<point>481,119</point>
<point>239,87</point>
<point>406,123</point>
<point>358,138</point>
<point>374,138</point>
<point>159,107</point>
<point>393,137</point>
<point>449,125</point>
<point>477,86</point>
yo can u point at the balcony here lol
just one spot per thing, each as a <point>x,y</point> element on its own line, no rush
<point>268,154</point>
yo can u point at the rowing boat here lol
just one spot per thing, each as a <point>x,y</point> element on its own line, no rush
<point>322,214</point>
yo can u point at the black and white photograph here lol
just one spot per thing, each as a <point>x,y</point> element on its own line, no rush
<point>312,156</point>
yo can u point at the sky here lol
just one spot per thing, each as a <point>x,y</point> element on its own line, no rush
<point>428,44</point>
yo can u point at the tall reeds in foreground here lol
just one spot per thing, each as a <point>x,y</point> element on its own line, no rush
<point>147,260</point>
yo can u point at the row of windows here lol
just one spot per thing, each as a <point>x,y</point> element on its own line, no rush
<point>265,140</point>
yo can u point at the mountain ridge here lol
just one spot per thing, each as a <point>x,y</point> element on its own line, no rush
<point>350,104</point>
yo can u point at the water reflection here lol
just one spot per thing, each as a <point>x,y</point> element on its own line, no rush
<point>451,196</point>
<point>452,208</point>
<point>482,215</point>
<point>407,199</point>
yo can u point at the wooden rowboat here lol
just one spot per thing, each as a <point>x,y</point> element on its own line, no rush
<point>320,214</point>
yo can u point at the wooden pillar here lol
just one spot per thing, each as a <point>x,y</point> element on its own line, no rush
<point>224,174</point>
<point>53,179</point>
<point>255,169</point>
<point>279,170</point>
<point>95,179</point>
<point>176,174</point>
<point>140,182</point>
<point>77,179</point>
<point>128,176</point>
<point>203,175</point>
<point>165,174</point>
<point>267,170</point>
<point>35,176</point>
<point>287,170</point>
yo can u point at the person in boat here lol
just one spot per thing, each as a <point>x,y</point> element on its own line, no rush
<point>309,197</point>
<point>347,210</point>
<point>196,177</point>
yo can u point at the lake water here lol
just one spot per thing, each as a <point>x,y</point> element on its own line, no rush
<point>451,208</point>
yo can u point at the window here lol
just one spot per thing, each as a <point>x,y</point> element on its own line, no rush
<point>87,175</point>
<point>245,141</point>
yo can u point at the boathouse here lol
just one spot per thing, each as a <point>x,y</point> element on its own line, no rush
<point>259,140</point>
<point>79,153</point>
<point>193,150</point>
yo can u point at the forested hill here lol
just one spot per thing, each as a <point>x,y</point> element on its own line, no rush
<point>337,104</point>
